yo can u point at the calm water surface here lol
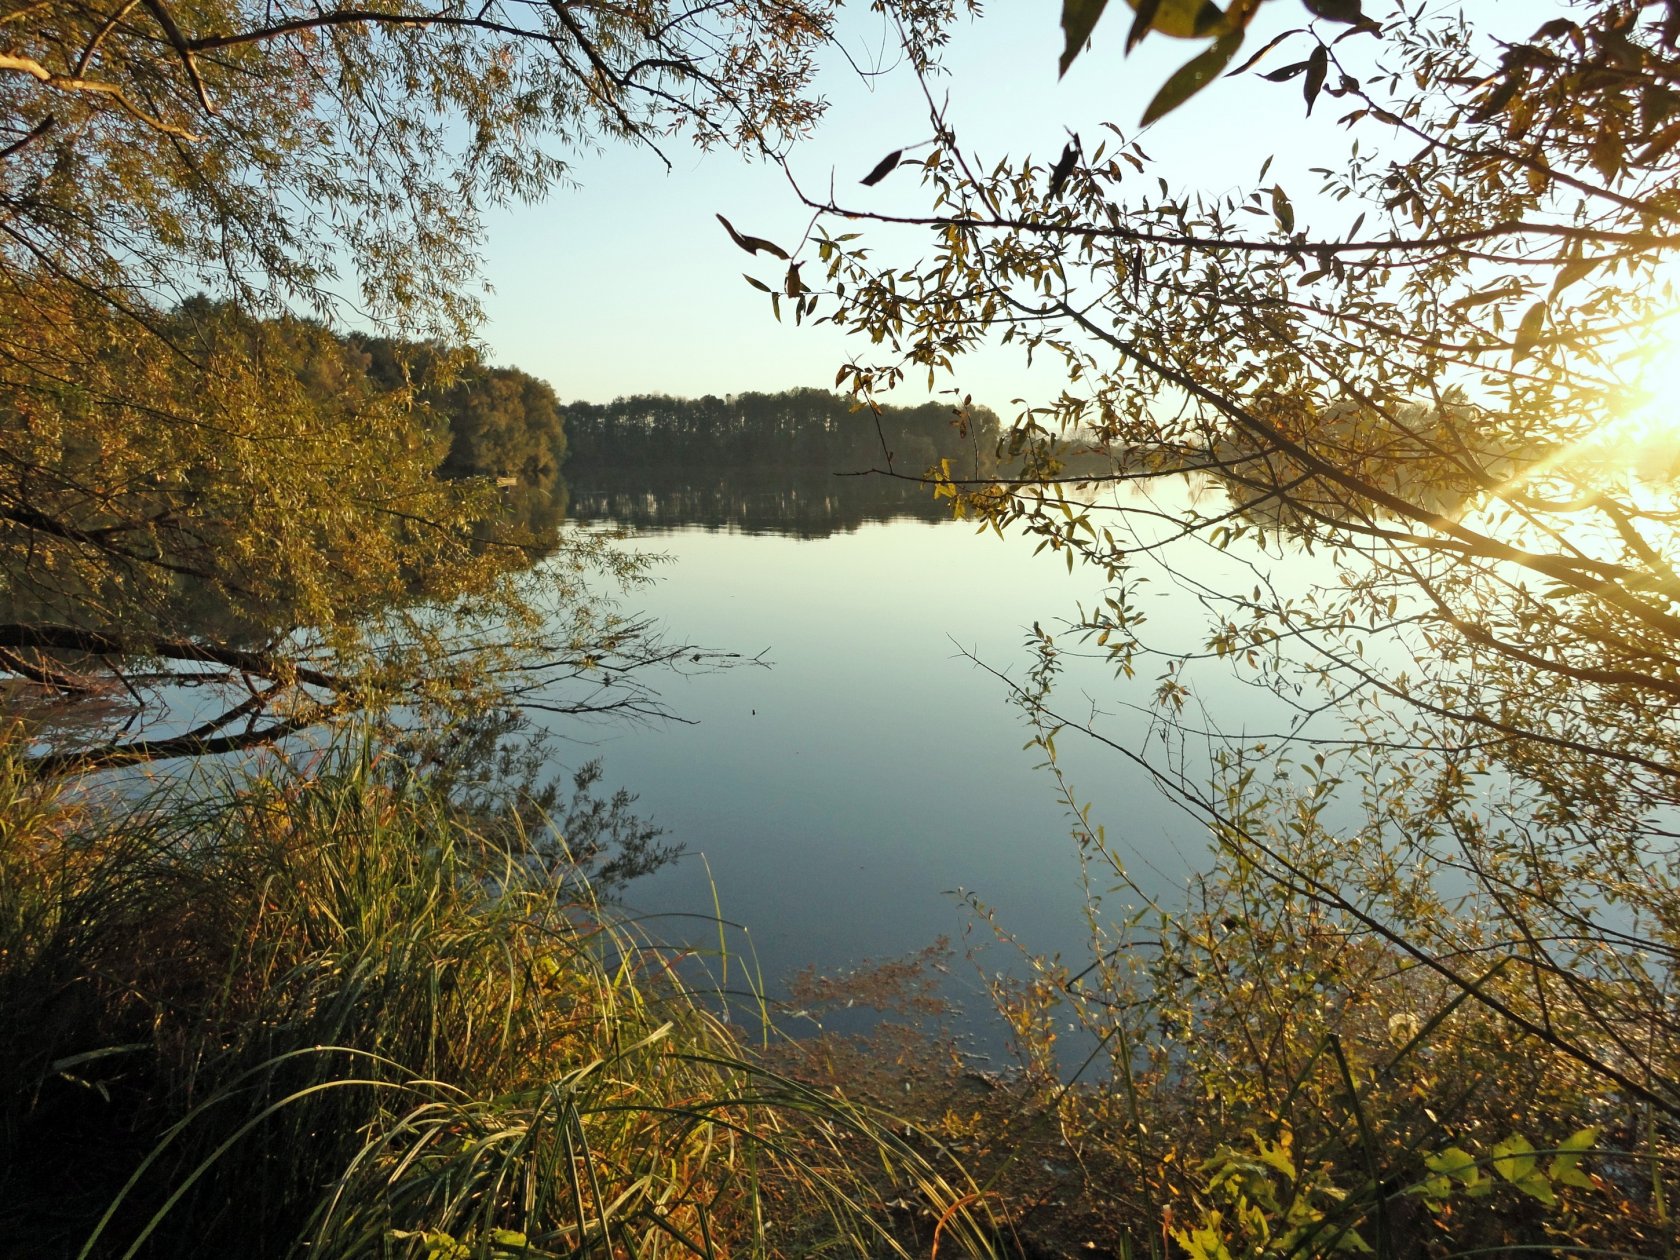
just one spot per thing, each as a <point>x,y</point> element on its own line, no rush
<point>842,803</point>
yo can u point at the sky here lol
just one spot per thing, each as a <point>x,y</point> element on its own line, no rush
<point>627,284</point>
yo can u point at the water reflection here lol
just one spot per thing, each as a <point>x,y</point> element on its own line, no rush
<point>798,504</point>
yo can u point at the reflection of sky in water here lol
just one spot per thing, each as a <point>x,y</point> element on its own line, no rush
<point>842,796</point>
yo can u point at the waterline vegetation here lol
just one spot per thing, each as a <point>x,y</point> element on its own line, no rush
<point>320,1011</point>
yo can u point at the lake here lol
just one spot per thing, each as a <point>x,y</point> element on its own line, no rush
<point>841,804</point>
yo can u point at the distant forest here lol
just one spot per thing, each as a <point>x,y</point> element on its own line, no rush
<point>505,423</point>
<point>750,461</point>
<point>802,429</point>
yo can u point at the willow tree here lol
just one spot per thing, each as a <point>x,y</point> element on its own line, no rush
<point>1436,363</point>
<point>295,162</point>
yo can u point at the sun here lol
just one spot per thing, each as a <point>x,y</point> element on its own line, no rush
<point>1642,440</point>
<point>1634,453</point>
<point>1655,360</point>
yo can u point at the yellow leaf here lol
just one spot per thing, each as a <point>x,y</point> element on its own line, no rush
<point>1185,19</point>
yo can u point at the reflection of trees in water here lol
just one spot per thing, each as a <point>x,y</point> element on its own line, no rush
<point>195,666</point>
<point>803,504</point>
<point>767,463</point>
<point>529,518</point>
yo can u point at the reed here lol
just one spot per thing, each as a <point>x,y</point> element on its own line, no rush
<point>316,1011</point>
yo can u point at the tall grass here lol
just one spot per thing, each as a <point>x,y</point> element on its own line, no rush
<point>318,1013</point>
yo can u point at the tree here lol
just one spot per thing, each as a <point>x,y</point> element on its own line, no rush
<point>265,150</point>
<point>164,458</point>
<point>1427,372</point>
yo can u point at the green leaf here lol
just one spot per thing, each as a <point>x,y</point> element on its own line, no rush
<point>1284,210</point>
<point>1203,1243</point>
<point>1146,11</point>
<point>1564,1172</point>
<point>1276,1155</point>
<point>1181,19</point>
<point>1184,19</point>
<point>1571,271</point>
<point>1351,1240</point>
<point>1433,1189</point>
<point>1514,1158</point>
<point>1454,1162</point>
<point>752,244</point>
<point>882,169</point>
<point>1318,66</point>
<point>1497,293</point>
<point>1285,73</point>
<point>1193,76</point>
<point>1267,47</point>
<point>1564,1168</point>
<point>1335,10</point>
<point>1063,168</point>
<point>1499,98</point>
<point>1579,1142</point>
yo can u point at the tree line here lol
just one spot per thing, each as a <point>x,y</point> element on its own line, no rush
<point>497,422</point>
<point>795,429</point>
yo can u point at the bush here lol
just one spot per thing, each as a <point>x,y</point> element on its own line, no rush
<point>1270,1076</point>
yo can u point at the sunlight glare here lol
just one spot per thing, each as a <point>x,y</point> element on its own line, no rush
<point>1645,439</point>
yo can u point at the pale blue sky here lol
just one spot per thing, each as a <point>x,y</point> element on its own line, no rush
<point>626,284</point>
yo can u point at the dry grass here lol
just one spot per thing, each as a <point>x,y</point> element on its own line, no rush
<point>319,1014</point>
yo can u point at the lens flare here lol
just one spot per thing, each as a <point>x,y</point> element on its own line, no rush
<point>1645,438</point>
